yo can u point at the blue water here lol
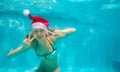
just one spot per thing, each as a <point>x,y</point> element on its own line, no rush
<point>94,47</point>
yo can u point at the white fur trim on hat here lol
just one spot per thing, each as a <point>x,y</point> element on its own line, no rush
<point>37,25</point>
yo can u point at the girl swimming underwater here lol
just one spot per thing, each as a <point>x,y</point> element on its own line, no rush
<point>42,40</point>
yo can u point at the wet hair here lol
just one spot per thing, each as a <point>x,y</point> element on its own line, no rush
<point>52,30</point>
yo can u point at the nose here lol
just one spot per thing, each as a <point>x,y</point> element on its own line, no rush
<point>39,33</point>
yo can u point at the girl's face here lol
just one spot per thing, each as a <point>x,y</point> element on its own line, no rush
<point>40,33</point>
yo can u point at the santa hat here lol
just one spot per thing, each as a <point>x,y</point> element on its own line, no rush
<point>38,22</point>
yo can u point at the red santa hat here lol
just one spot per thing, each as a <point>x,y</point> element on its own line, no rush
<point>38,22</point>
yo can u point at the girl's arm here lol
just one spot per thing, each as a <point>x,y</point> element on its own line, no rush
<point>17,51</point>
<point>62,33</point>
<point>23,48</point>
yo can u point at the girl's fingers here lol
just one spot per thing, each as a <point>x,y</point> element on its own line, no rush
<point>29,35</point>
<point>33,38</point>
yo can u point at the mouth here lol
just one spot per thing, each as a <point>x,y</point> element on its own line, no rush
<point>39,36</point>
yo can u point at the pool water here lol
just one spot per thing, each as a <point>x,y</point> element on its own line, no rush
<point>94,47</point>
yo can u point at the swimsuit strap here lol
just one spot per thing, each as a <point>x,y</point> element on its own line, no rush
<point>51,44</point>
<point>45,55</point>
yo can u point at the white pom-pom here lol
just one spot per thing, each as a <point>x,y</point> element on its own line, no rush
<point>26,12</point>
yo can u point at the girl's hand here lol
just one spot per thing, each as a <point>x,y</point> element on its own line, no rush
<point>72,29</point>
<point>28,41</point>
